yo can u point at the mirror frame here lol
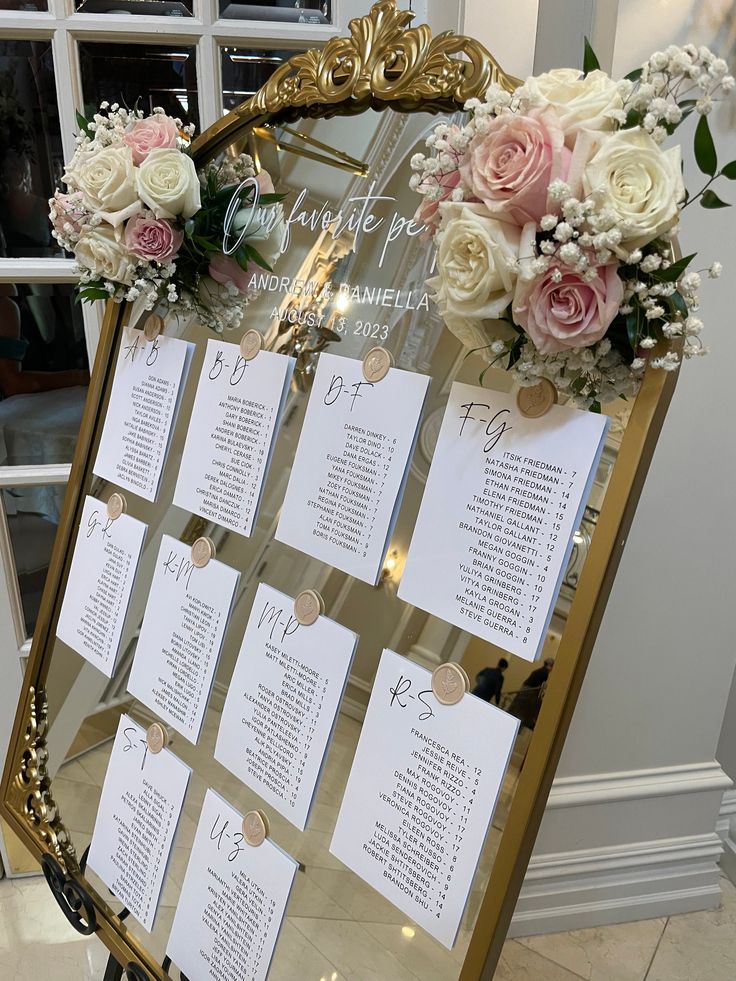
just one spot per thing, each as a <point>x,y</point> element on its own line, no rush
<point>384,64</point>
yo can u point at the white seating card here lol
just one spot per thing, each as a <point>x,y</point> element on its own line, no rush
<point>139,811</point>
<point>232,902</point>
<point>146,392</point>
<point>421,794</point>
<point>181,636</point>
<point>100,584</point>
<point>282,703</point>
<point>503,498</point>
<point>229,444</point>
<point>351,465</point>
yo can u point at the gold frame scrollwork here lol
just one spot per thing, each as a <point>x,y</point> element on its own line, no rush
<point>384,63</point>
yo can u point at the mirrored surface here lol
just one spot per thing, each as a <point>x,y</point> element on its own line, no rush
<point>336,925</point>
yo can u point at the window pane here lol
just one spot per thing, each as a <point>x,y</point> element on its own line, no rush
<point>287,11</point>
<point>33,516</point>
<point>24,5</point>
<point>244,71</point>
<point>140,74</point>
<point>43,373</point>
<point>158,8</point>
<point>31,156</point>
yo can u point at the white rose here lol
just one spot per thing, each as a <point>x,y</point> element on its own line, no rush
<point>107,180</point>
<point>637,180</point>
<point>168,184</point>
<point>476,263</point>
<point>265,231</point>
<point>581,101</point>
<point>99,251</point>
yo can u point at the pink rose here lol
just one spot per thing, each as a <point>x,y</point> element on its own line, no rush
<point>153,239</point>
<point>226,269</point>
<point>265,184</point>
<point>570,312</point>
<point>152,133</point>
<point>67,209</point>
<point>510,166</point>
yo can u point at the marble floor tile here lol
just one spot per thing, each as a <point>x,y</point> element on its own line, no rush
<point>76,772</point>
<point>308,898</point>
<point>362,901</point>
<point>77,803</point>
<point>296,957</point>
<point>622,952</point>
<point>353,951</point>
<point>417,951</point>
<point>95,762</point>
<point>518,963</point>
<point>699,946</point>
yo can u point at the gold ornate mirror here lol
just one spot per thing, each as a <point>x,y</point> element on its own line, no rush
<point>336,129</point>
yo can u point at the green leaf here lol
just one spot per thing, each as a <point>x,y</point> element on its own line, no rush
<point>257,258</point>
<point>635,75</point>
<point>590,60</point>
<point>729,170</point>
<point>633,119</point>
<point>711,200</point>
<point>705,149</point>
<point>673,272</point>
<point>595,407</point>
<point>678,304</point>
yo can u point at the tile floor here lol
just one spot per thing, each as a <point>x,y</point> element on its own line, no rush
<point>337,928</point>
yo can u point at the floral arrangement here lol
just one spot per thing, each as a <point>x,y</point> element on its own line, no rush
<point>145,227</point>
<point>553,210</point>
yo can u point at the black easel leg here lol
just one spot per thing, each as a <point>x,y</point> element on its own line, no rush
<point>113,971</point>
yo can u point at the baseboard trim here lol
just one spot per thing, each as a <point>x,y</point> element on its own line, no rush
<point>666,781</point>
<point>618,883</point>
<point>726,829</point>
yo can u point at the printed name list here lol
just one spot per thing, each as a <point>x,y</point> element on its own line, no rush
<point>351,465</point>
<point>181,636</point>
<point>146,392</point>
<point>504,495</point>
<point>139,811</point>
<point>229,444</point>
<point>421,794</point>
<point>100,583</point>
<point>232,902</point>
<point>282,703</point>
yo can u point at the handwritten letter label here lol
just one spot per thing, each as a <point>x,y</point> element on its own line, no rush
<point>100,583</point>
<point>228,448</point>
<point>139,811</point>
<point>421,794</point>
<point>351,465</point>
<point>232,902</point>
<point>146,392</point>
<point>503,498</point>
<point>181,636</point>
<point>282,703</point>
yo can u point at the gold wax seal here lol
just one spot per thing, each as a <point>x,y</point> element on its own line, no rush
<point>202,551</point>
<point>307,607</point>
<point>152,327</point>
<point>250,344</point>
<point>465,675</point>
<point>537,400</point>
<point>376,364</point>
<point>116,506</point>
<point>156,737</point>
<point>448,683</point>
<point>255,828</point>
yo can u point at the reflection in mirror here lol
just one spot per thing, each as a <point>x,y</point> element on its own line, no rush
<point>245,70</point>
<point>30,154</point>
<point>142,75</point>
<point>281,11</point>
<point>343,285</point>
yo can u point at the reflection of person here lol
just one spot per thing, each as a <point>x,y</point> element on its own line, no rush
<point>489,682</point>
<point>527,702</point>
<point>539,677</point>
<point>13,379</point>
